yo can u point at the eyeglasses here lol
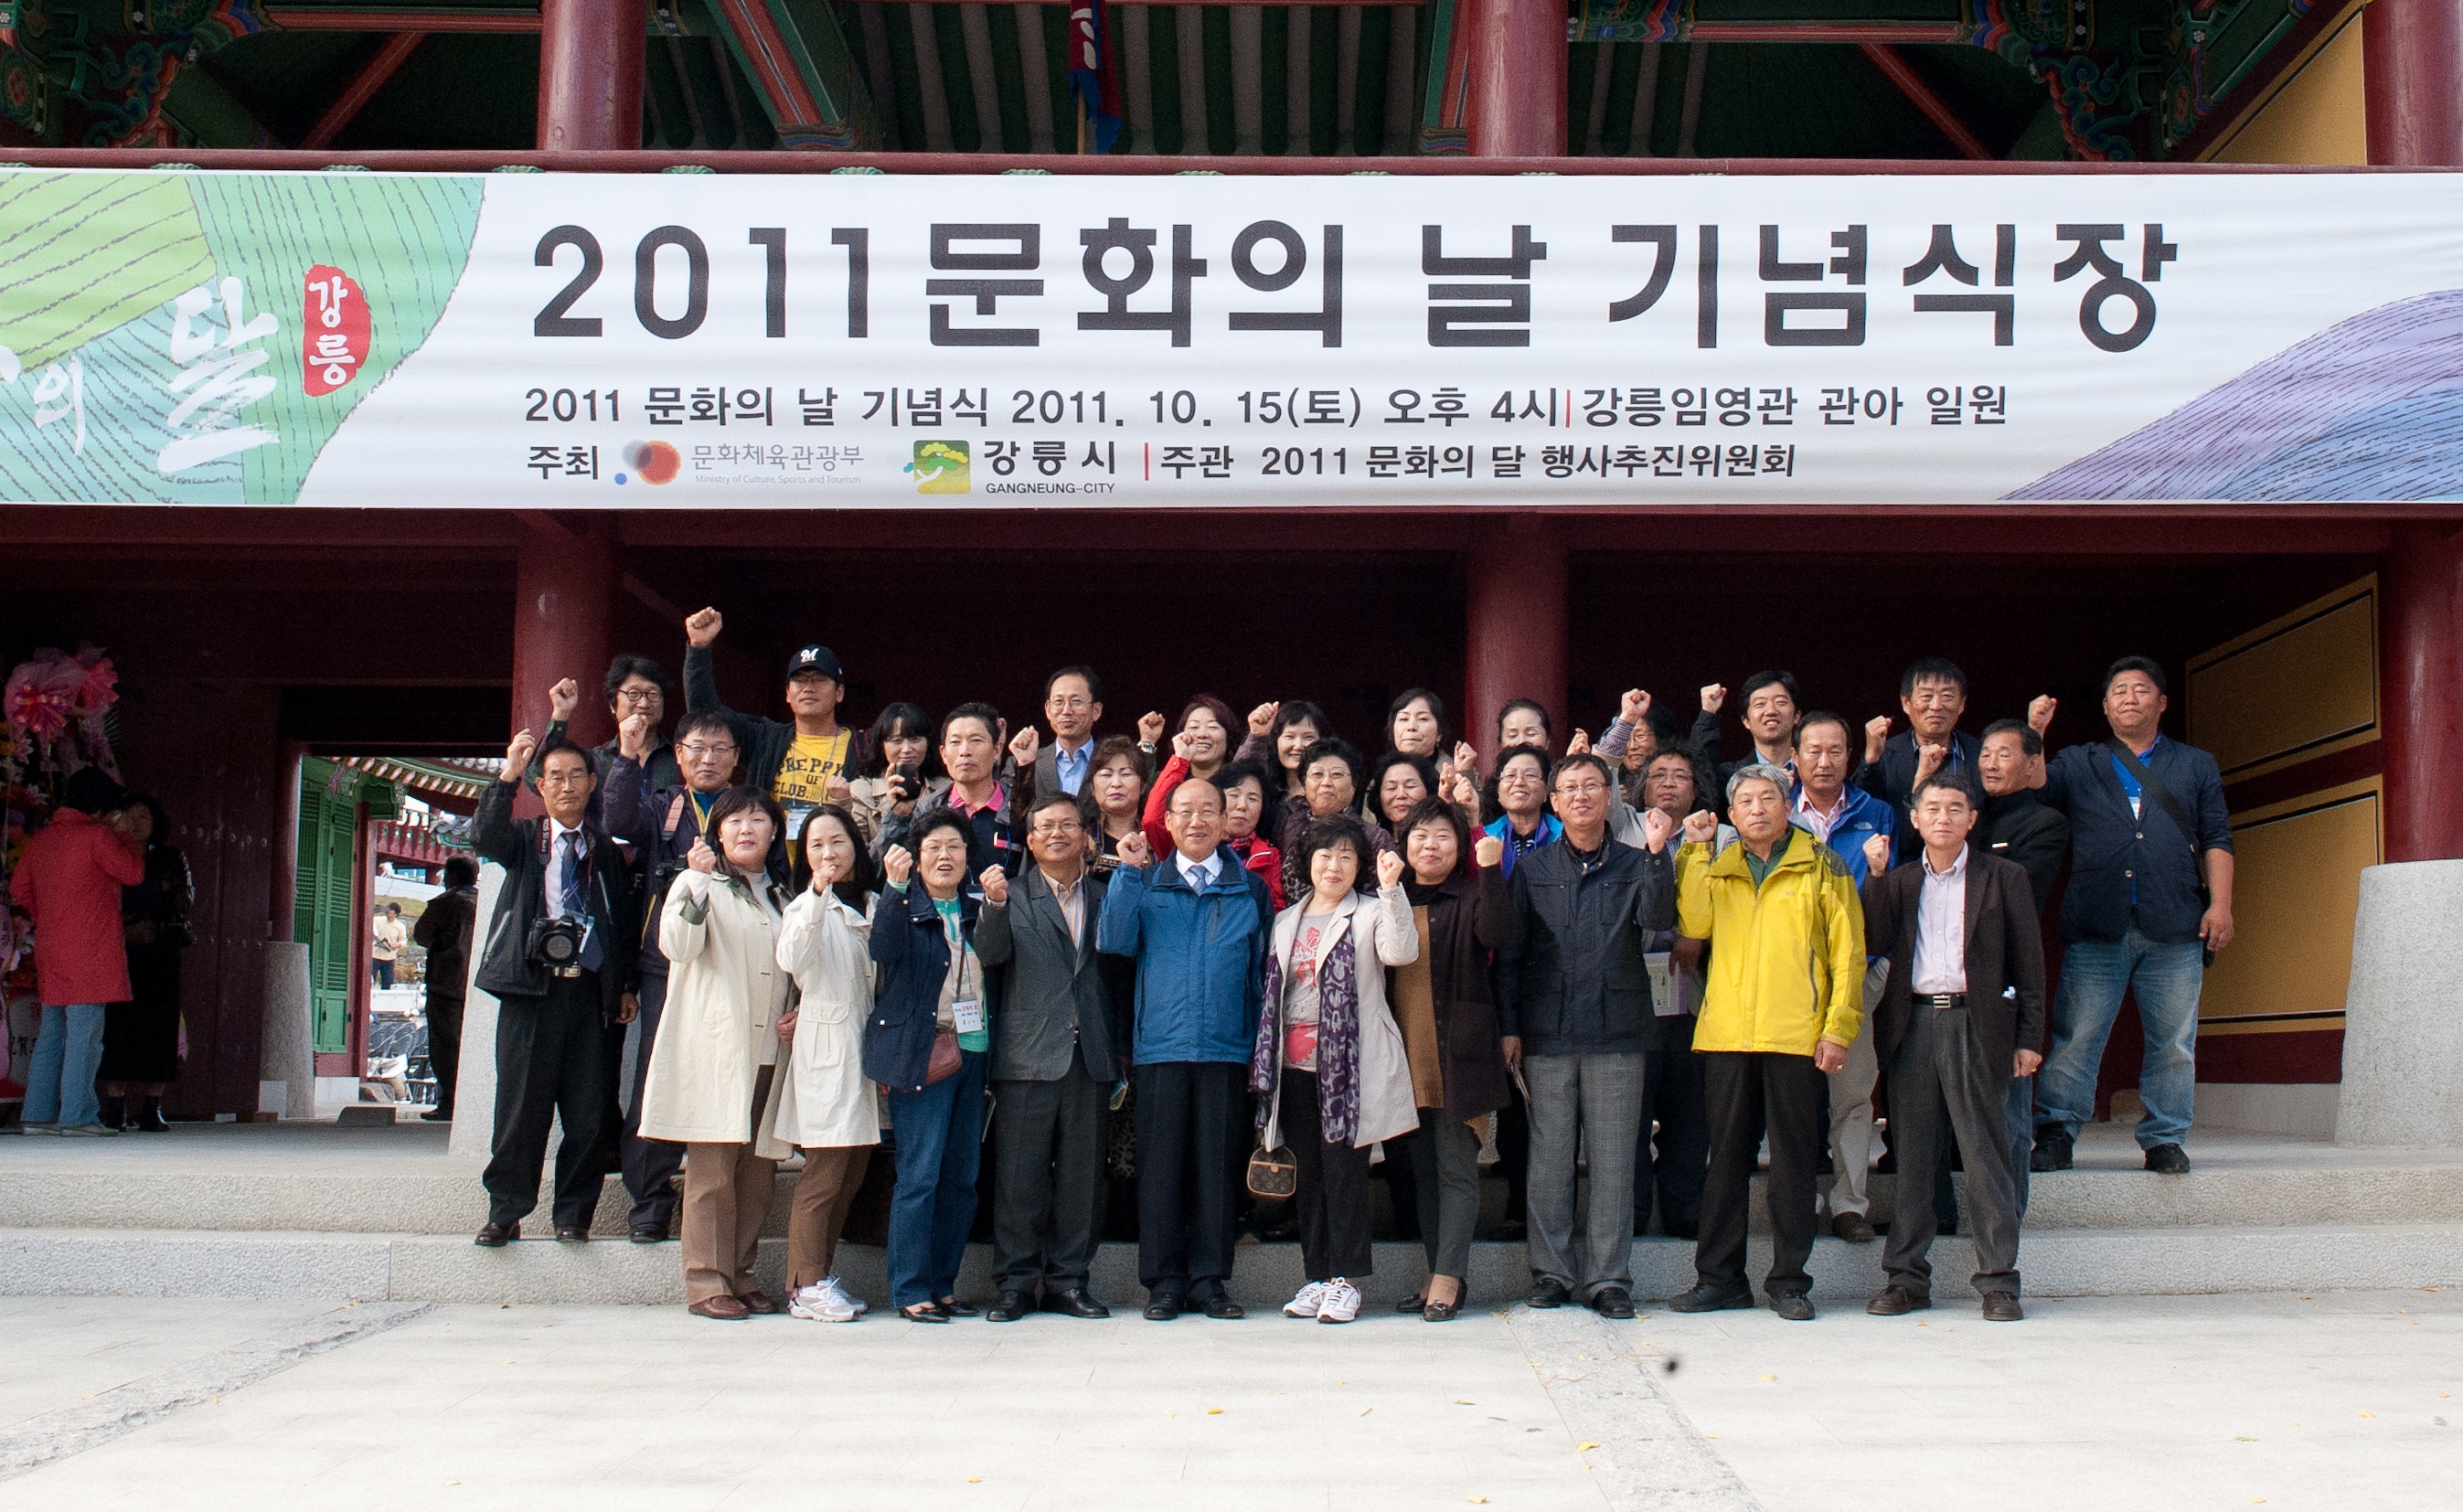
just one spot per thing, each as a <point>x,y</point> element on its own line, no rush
<point>1048,832</point>
<point>1582,790</point>
<point>638,696</point>
<point>705,752</point>
<point>1069,705</point>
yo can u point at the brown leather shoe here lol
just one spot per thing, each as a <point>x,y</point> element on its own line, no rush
<point>496,1236</point>
<point>1896,1301</point>
<point>1853,1227</point>
<point>723,1307</point>
<point>2003,1306</point>
<point>760,1301</point>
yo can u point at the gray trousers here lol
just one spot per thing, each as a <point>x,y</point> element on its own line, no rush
<point>1048,1179</point>
<point>1939,1064</point>
<point>1580,1101</point>
<point>1445,1169</point>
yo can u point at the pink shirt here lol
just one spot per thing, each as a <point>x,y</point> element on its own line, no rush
<point>68,880</point>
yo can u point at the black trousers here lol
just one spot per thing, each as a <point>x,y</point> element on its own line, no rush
<point>552,1065</point>
<point>1333,1193</point>
<point>651,1165</point>
<point>1048,1185</point>
<point>1746,1093</point>
<point>445,1048</point>
<point>1514,1154</point>
<point>1673,1162</point>
<point>1194,1142</point>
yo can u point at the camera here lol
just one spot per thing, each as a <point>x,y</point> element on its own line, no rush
<point>556,944</point>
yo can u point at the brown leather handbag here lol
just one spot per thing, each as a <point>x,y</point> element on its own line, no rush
<point>945,1061</point>
<point>1274,1172</point>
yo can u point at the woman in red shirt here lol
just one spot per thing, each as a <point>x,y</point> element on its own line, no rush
<point>69,882</point>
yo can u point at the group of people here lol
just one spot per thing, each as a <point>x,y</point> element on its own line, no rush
<point>1272,956</point>
<point>108,896</point>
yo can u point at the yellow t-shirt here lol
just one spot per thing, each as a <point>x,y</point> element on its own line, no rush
<point>804,776</point>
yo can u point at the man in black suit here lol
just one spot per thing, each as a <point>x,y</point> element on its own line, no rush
<point>1966,993</point>
<point>2017,825</point>
<point>1056,1056</point>
<point>1933,692</point>
<point>554,1057</point>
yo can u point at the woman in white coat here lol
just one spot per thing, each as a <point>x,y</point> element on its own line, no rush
<point>1329,1060</point>
<point>710,1087</point>
<point>826,1107</point>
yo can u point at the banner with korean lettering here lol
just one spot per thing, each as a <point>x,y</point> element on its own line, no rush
<point>525,341</point>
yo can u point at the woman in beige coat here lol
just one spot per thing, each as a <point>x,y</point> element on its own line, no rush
<point>826,1107</point>
<point>710,1087</point>
<point>1329,1058</point>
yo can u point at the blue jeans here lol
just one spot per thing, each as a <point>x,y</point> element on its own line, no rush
<point>2095,974</point>
<point>940,1135</point>
<point>67,1053</point>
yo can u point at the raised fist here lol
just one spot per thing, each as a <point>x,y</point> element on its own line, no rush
<point>562,699</point>
<point>1877,734</point>
<point>1700,827</point>
<point>1261,718</point>
<point>1150,726</point>
<point>1656,827</point>
<point>1390,869</point>
<point>1715,698</point>
<point>1135,851</point>
<point>633,735</point>
<point>701,857</point>
<point>702,629</point>
<point>1023,746</point>
<point>898,864</point>
<point>517,757</point>
<point>1636,706</point>
<point>1488,850</point>
<point>995,885</point>
<point>1877,853</point>
<point>1928,760</point>
<point>1580,745</point>
<point>2040,712</point>
<point>1179,745</point>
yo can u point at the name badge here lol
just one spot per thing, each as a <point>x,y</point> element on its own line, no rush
<point>966,1015</point>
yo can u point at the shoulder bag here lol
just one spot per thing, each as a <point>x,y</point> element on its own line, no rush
<point>2151,786</point>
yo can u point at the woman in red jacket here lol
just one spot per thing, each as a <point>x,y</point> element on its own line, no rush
<point>69,881</point>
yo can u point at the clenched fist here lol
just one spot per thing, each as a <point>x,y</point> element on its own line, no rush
<point>702,629</point>
<point>898,864</point>
<point>562,699</point>
<point>1135,851</point>
<point>1700,827</point>
<point>1389,870</point>
<point>1715,698</point>
<point>1877,853</point>
<point>1488,850</point>
<point>517,757</point>
<point>995,885</point>
<point>1656,827</point>
<point>1261,718</point>
<point>1150,726</point>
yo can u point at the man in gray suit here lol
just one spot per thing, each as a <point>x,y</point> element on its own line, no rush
<point>1054,1064</point>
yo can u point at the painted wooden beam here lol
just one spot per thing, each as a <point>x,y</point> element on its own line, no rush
<point>353,98</point>
<point>1920,94</point>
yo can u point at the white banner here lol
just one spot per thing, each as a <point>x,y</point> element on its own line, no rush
<point>864,341</point>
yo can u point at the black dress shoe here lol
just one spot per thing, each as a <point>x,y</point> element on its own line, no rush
<point>2167,1159</point>
<point>1853,1227</point>
<point>959,1310</point>
<point>1549,1293</point>
<point>1008,1307</point>
<point>436,1115</point>
<point>1438,1313</point>
<point>1073,1302</point>
<point>1224,1307</point>
<point>2051,1150</point>
<point>924,1312</point>
<point>1710,1299</point>
<point>1793,1305</point>
<point>570,1234</point>
<point>2003,1306</point>
<point>1162,1306</point>
<point>649,1233</point>
<point>1612,1302</point>
<point>496,1236</point>
<point>1895,1301</point>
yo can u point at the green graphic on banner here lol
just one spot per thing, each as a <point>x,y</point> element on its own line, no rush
<point>197,338</point>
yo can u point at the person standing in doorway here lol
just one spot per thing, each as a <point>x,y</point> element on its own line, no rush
<point>444,930</point>
<point>2150,900</point>
<point>68,880</point>
<point>389,938</point>
<point>141,1037</point>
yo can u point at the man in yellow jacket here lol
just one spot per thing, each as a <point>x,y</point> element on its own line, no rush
<point>1782,1005</point>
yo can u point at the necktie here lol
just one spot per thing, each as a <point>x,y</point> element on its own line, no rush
<point>576,905</point>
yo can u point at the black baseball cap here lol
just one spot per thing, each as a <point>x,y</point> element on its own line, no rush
<point>816,658</point>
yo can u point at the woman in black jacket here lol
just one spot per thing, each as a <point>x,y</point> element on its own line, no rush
<point>929,1044</point>
<point>140,1038</point>
<point>1446,1011</point>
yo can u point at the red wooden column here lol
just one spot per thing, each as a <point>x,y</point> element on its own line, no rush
<point>1516,103</point>
<point>1514,619</point>
<point>565,585</point>
<point>590,75</point>
<point>2412,54</point>
<point>2420,691</point>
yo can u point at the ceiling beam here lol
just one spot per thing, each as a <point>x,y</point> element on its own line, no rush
<point>355,97</point>
<point>1919,94</point>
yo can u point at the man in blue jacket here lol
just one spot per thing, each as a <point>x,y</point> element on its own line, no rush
<point>1843,816</point>
<point>1197,922</point>
<point>2151,894</point>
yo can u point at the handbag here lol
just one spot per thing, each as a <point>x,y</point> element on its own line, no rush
<point>1274,1172</point>
<point>945,1061</point>
<point>2150,787</point>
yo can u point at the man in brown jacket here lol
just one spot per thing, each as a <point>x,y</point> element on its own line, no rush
<point>1966,990</point>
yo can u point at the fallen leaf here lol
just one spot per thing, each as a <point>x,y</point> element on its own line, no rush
<point>1479,1500</point>
<point>2243,1438</point>
<point>1586,1446</point>
<point>974,1480</point>
<point>1215,1412</point>
<point>1770,1378</point>
<point>1463,1402</point>
<point>452,1482</point>
<point>1365,1411</point>
<point>2368,1415</point>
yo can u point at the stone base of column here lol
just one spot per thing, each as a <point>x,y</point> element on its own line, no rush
<point>2403,1030</point>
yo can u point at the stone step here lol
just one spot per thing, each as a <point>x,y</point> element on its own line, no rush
<point>426,1268</point>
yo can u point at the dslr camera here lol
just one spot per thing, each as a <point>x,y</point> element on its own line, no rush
<point>556,944</point>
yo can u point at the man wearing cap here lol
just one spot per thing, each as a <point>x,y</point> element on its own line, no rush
<point>802,765</point>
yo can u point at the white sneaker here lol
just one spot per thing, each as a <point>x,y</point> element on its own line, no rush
<point>846,1299</point>
<point>1305,1301</point>
<point>818,1303</point>
<point>1341,1302</point>
<point>38,1128</point>
<point>93,1131</point>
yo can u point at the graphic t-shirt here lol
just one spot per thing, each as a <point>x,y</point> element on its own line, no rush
<point>803,780</point>
<point>1301,999</point>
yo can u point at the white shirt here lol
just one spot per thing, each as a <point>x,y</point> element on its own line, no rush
<point>1821,820</point>
<point>1200,874</point>
<point>1941,929</point>
<point>555,852</point>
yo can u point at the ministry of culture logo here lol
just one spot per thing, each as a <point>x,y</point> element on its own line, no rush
<point>653,461</point>
<point>940,466</point>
